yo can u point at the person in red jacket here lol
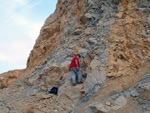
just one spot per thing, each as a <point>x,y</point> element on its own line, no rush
<point>75,70</point>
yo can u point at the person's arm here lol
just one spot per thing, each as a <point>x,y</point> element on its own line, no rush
<point>76,61</point>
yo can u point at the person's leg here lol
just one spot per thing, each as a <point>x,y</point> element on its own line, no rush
<point>79,74</point>
<point>73,76</point>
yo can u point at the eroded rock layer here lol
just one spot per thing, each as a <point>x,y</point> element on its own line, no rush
<point>128,41</point>
<point>113,39</point>
<point>66,20</point>
<point>9,77</point>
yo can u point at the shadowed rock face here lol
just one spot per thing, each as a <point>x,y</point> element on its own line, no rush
<point>113,38</point>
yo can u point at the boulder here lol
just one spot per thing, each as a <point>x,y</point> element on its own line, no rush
<point>115,96</point>
<point>68,95</point>
<point>95,78</point>
<point>120,102</point>
<point>97,108</point>
<point>134,93</point>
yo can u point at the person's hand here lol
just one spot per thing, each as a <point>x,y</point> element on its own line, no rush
<point>77,68</point>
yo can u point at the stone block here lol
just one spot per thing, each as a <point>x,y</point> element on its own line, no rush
<point>95,78</point>
<point>68,95</point>
<point>134,93</point>
<point>115,96</point>
<point>97,108</point>
<point>120,102</point>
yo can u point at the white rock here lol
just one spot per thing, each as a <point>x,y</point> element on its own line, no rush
<point>115,96</point>
<point>97,108</point>
<point>96,77</point>
<point>134,93</point>
<point>120,102</point>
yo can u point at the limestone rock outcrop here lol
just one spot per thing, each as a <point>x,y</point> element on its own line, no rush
<point>113,38</point>
<point>128,41</point>
<point>57,26</point>
<point>9,77</point>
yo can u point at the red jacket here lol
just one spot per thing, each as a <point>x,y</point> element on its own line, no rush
<point>73,64</point>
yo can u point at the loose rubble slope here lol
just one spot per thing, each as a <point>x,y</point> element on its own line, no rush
<point>113,39</point>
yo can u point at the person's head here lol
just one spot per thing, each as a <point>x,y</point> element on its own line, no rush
<point>78,55</point>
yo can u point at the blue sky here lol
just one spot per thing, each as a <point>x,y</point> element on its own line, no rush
<point>20,24</point>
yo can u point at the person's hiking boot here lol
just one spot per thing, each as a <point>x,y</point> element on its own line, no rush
<point>80,82</point>
<point>74,84</point>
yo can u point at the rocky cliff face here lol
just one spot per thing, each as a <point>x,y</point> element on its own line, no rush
<point>128,39</point>
<point>58,26</point>
<point>113,39</point>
